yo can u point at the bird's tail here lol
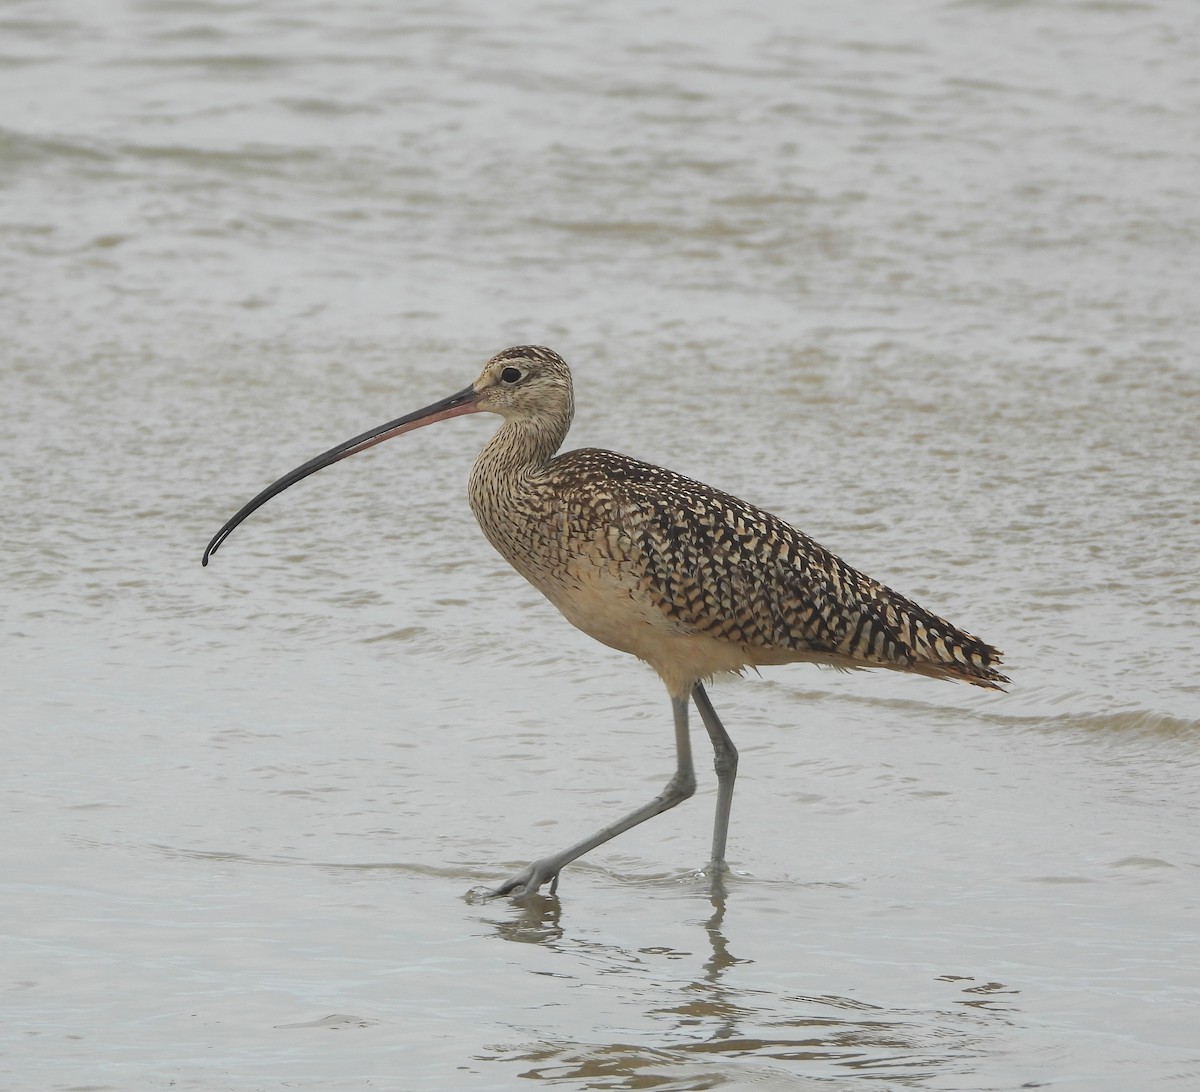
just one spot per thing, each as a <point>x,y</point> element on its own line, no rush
<point>944,651</point>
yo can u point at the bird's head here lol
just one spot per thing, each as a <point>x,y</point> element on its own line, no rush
<point>526,382</point>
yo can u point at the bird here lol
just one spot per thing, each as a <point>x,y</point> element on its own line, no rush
<point>689,579</point>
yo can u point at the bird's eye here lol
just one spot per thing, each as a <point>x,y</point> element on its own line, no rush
<point>511,375</point>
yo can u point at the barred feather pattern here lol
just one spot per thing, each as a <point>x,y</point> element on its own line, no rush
<point>688,577</point>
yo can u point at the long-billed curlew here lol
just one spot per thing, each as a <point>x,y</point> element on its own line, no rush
<point>689,579</point>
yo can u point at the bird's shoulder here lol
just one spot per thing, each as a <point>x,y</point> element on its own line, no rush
<point>595,475</point>
<point>672,509</point>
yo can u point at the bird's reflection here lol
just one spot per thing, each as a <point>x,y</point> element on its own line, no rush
<point>708,1002</point>
<point>721,959</point>
<point>708,1015</point>
<point>538,921</point>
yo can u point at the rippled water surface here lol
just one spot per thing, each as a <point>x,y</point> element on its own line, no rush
<point>920,278</point>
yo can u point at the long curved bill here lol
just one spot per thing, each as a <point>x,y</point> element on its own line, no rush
<point>465,401</point>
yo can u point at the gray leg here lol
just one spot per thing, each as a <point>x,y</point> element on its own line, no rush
<point>678,789</point>
<point>725,762</point>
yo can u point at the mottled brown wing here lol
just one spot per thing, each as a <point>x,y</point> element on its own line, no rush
<point>725,568</point>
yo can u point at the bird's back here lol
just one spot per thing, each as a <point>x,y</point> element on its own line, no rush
<point>728,575</point>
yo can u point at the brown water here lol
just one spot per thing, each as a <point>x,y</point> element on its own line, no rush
<point>919,278</point>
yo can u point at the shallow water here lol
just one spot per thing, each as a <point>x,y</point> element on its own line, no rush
<point>919,278</point>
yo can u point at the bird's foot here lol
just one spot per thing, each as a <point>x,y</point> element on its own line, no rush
<point>528,881</point>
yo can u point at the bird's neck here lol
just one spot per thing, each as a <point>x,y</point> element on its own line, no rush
<point>507,490</point>
<point>520,448</point>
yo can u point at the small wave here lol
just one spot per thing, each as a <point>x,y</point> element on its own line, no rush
<point>1146,722</point>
